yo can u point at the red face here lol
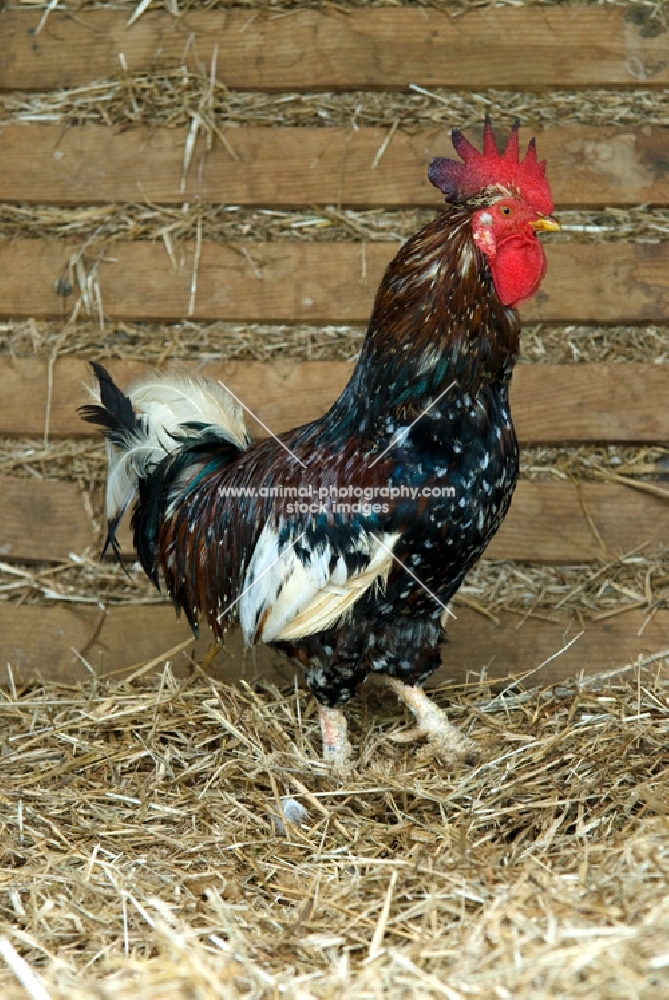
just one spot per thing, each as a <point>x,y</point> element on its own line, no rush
<point>506,233</point>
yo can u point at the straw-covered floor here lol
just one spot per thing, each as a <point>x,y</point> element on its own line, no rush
<point>143,852</point>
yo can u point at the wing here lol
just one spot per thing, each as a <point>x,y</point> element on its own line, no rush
<point>299,582</point>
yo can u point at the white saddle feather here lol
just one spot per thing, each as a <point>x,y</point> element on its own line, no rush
<point>285,599</point>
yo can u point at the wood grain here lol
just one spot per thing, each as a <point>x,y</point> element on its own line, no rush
<point>310,282</point>
<point>551,404</point>
<point>40,643</point>
<point>284,394</point>
<point>591,403</point>
<point>41,520</point>
<point>548,523</point>
<point>288,167</point>
<point>44,520</point>
<point>331,50</point>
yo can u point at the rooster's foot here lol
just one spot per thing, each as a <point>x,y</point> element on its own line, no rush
<point>445,738</point>
<point>336,747</point>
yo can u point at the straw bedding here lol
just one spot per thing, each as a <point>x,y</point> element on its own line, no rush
<point>172,97</point>
<point>220,341</point>
<point>142,849</point>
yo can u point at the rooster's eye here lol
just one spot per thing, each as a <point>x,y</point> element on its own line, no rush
<point>505,210</point>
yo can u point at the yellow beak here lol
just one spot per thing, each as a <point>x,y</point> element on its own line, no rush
<point>545,224</point>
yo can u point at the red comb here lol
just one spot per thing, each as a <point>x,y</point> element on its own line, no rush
<point>478,171</point>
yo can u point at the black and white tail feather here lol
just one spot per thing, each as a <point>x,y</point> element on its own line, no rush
<point>160,433</point>
<point>152,420</point>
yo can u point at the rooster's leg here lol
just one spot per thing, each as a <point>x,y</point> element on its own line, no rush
<point>336,747</point>
<point>447,739</point>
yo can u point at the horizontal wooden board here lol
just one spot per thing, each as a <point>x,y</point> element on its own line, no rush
<point>589,404</point>
<point>308,282</point>
<point>41,520</point>
<point>47,164</point>
<point>40,643</point>
<point>45,520</point>
<point>548,523</point>
<point>551,404</point>
<point>526,47</point>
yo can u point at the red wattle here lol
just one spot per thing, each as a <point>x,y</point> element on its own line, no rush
<point>518,268</point>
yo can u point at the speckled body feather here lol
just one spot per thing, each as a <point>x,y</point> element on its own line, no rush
<point>436,320</point>
<point>437,361</point>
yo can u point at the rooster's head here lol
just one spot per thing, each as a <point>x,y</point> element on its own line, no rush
<point>511,201</point>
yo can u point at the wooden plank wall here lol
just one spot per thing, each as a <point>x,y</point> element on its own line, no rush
<point>42,163</point>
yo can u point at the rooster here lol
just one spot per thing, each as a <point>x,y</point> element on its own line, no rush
<point>400,485</point>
